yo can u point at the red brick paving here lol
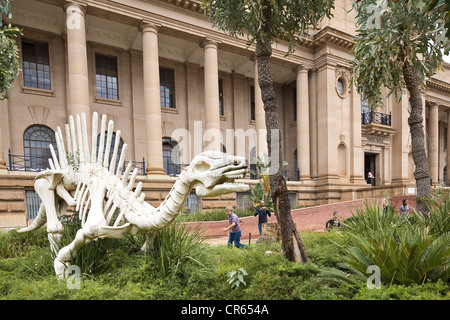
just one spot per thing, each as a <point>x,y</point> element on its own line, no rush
<point>306,219</point>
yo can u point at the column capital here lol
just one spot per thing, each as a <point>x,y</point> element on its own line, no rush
<point>75,7</point>
<point>301,69</point>
<point>208,42</point>
<point>432,104</point>
<point>149,26</point>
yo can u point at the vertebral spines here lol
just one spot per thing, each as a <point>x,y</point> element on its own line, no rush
<point>112,165</point>
<point>102,140</point>
<point>94,137</point>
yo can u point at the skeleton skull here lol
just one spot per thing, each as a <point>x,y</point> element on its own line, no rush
<point>214,173</point>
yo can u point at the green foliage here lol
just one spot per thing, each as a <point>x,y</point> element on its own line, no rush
<point>443,5</point>
<point>182,266</point>
<point>236,277</point>
<point>388,34</point>
<point>262,190</point>
<point>439,204</point>
<point>174,247</point>
<point>13,244</point>
<point>404,249</point>
<point>212,215</point>
<point>9,53</point>
<point>73,159</point>
<point>134,275</point>
<point>290,20</point>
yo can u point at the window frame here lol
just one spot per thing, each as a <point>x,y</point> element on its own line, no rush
<point>108,97</point>
<point>47,64</point>
<point>171,89</point>
<point>169,143</point>
<point>31,156</point>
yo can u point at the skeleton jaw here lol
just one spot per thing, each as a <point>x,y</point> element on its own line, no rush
<point>225,184</point>
<point>219,189</point>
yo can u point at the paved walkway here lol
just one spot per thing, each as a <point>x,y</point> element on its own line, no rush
<point>306,219</point>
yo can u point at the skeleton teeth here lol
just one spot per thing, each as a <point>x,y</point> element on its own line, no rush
<point>238,176</point>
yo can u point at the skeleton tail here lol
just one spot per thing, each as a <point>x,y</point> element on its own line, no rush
<point>40,221</point>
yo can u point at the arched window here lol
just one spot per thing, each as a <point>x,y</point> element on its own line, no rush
<point>111,149</point>
<point>36,141</point>
<point>171,156</point>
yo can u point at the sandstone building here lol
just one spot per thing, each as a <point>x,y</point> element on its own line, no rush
<point>168,79</point>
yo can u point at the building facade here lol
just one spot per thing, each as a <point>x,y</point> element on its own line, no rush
<point>176,86</point>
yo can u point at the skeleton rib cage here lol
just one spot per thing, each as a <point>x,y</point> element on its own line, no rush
<point>86,164</point>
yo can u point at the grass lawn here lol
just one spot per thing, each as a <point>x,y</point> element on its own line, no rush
<point>117,269</point>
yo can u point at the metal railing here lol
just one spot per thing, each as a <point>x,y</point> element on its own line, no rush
<point>376,117</point>
<point>173,169</point>
<point>39,163</point>
<point>291,175</point>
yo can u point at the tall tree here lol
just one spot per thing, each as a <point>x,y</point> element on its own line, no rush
<point>262,22</point>
<point>9,53</point>
<point>399,43</point>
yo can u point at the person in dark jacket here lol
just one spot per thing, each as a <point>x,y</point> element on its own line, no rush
<point>333,222</point>
<point>261,212</point>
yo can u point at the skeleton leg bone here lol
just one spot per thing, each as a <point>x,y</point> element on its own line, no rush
<point>65,255</point>
<point>54,226</point>
<point>149,241</point>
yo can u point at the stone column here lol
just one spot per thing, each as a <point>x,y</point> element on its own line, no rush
<point>313,123</point>
<point>356,149</point>
<point>303,151</point>
<point>326,122</point>
<point>212,115</point>
<point>434,143</point>
<point>152,99</point>
<point>448,150</point>
<point>260,120</point>
<point>401,140</point>
<point>78,92</point>
<point>4,113</point>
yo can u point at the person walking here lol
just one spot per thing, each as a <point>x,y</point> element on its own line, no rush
<point>234,228</point>
<point>262,212</point>
<point>404,208</point>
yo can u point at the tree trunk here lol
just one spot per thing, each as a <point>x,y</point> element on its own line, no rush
<point>415,121</point>
<point>293,247</point>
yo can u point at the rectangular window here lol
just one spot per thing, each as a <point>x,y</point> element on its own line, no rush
<point>33,202</point>
<point>192,204</point>
<point>242,202</point>
<point>445,138</point>
<point>167,87</point>
<point>106,77</point>
<point>292,199</point>
<point>36,65</point>
<point>221,107</point>
<point>252,102</point>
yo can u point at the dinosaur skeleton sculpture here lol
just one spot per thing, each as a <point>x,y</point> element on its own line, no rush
<point>104,198</point>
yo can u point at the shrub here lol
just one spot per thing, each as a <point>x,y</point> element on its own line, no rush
<point>13,244</point>
<point>174,247</point>
<point>212,215</point>
<point>404,250</point>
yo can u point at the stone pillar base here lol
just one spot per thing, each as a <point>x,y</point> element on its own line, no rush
<point>155,171</point>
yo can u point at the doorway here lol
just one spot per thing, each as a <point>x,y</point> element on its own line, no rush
<point>370,166</point>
